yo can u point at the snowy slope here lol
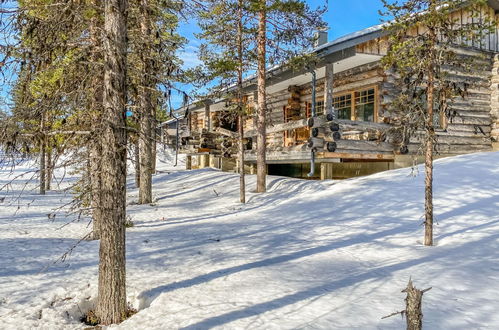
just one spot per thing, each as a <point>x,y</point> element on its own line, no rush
<point>305,255</point>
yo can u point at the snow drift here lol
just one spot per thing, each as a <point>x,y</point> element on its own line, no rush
<point>307,254</point>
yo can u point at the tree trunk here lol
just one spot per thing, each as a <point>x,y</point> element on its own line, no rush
<point>49,166</point>
<point>242,183</point>
<point>413,309</point>
<point>430,136</point>
<point>111,302</point>
<point>137,163</point>
<point>43,166</point>
<point>95,186</point>
<point>261,166</point>
<point>95,149</point>
<point>154,149</point>
<point>146,106</point>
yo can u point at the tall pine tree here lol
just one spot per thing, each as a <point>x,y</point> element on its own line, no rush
<point>423,38</point>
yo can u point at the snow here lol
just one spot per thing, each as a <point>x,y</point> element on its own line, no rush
<point>305,255</point>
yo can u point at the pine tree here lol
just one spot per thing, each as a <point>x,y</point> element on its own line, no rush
<point>226,58</point>
<point>111,302</point>
<point>423,37</point>
<point>153,66</point>
<point>284,29</point>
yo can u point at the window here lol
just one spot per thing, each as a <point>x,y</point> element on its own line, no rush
<point>343,104</point>
<point>356,105</point>
<point>319,107</point>
<point>364,105</point>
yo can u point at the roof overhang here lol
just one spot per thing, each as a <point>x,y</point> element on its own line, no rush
<point>338,66</point>
<point>282,82</point>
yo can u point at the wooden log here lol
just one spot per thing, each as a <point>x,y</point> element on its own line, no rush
<point>353,154</point>
<point>317,121</point>
<point>448,149</point>
<point>280,127</point>
<point>315,143</point>
<point>318,132</point>
<point>456,140</point>
<point>365,145</point>
<point>331,146</point>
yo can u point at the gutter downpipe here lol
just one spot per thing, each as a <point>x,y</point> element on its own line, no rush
<point>312,153</point>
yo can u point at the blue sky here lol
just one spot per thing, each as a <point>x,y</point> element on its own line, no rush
<point>343,17</point>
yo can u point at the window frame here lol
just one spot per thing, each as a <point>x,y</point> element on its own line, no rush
<point>353,114</point>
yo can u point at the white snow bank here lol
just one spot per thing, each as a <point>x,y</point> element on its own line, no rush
<point>307,254</point>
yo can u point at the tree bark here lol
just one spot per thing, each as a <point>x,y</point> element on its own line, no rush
<point>147,132</point>
<point>261,148</point>
<point>111,302</point>
<point>242,183</point>
<point>137,163</point>
<point>430,136</point>
<point>413,309</point>
<point>49,166</point>
<point>95,187</point>
<point>43,166</point>
<point>95,149</point>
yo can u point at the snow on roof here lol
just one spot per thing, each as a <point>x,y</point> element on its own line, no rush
<point>353,35</point>
<point>348,37</point>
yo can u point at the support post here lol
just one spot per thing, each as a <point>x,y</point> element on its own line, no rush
<point>328,89</point>
<point>207,115</point>
<point>204,161</point>
<point>188,163</point>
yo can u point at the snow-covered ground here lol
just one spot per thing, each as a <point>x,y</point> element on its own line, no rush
<point>305,255</point>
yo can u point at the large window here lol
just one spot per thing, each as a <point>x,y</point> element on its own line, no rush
<point>357,105</point>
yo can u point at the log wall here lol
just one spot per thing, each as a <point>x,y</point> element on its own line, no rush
<point>469,127</point>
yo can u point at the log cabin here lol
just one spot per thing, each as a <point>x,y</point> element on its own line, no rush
<point>350,92</point>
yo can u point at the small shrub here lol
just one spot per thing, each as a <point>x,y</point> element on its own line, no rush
<point>128,222</point>
<point>90,318</point>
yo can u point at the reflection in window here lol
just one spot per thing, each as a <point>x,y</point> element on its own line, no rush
<point>364,105</point>
<point>343,104</point>
<point>356,105</point>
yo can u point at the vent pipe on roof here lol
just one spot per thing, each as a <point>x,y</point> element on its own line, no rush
<point>320,38</point>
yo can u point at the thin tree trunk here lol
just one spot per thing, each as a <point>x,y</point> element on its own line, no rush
<point>137,163</point>
<point>145,98</point>
<point>95,149</point>
<point>95,187</point>
<point>242,183</point>
<point>49,166</point>
<point>154,151</point>
<point>43,166</point>
<point>261,166</point>
<point>413,309</point>
<point>430,135</point>
<point>111,302</point>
